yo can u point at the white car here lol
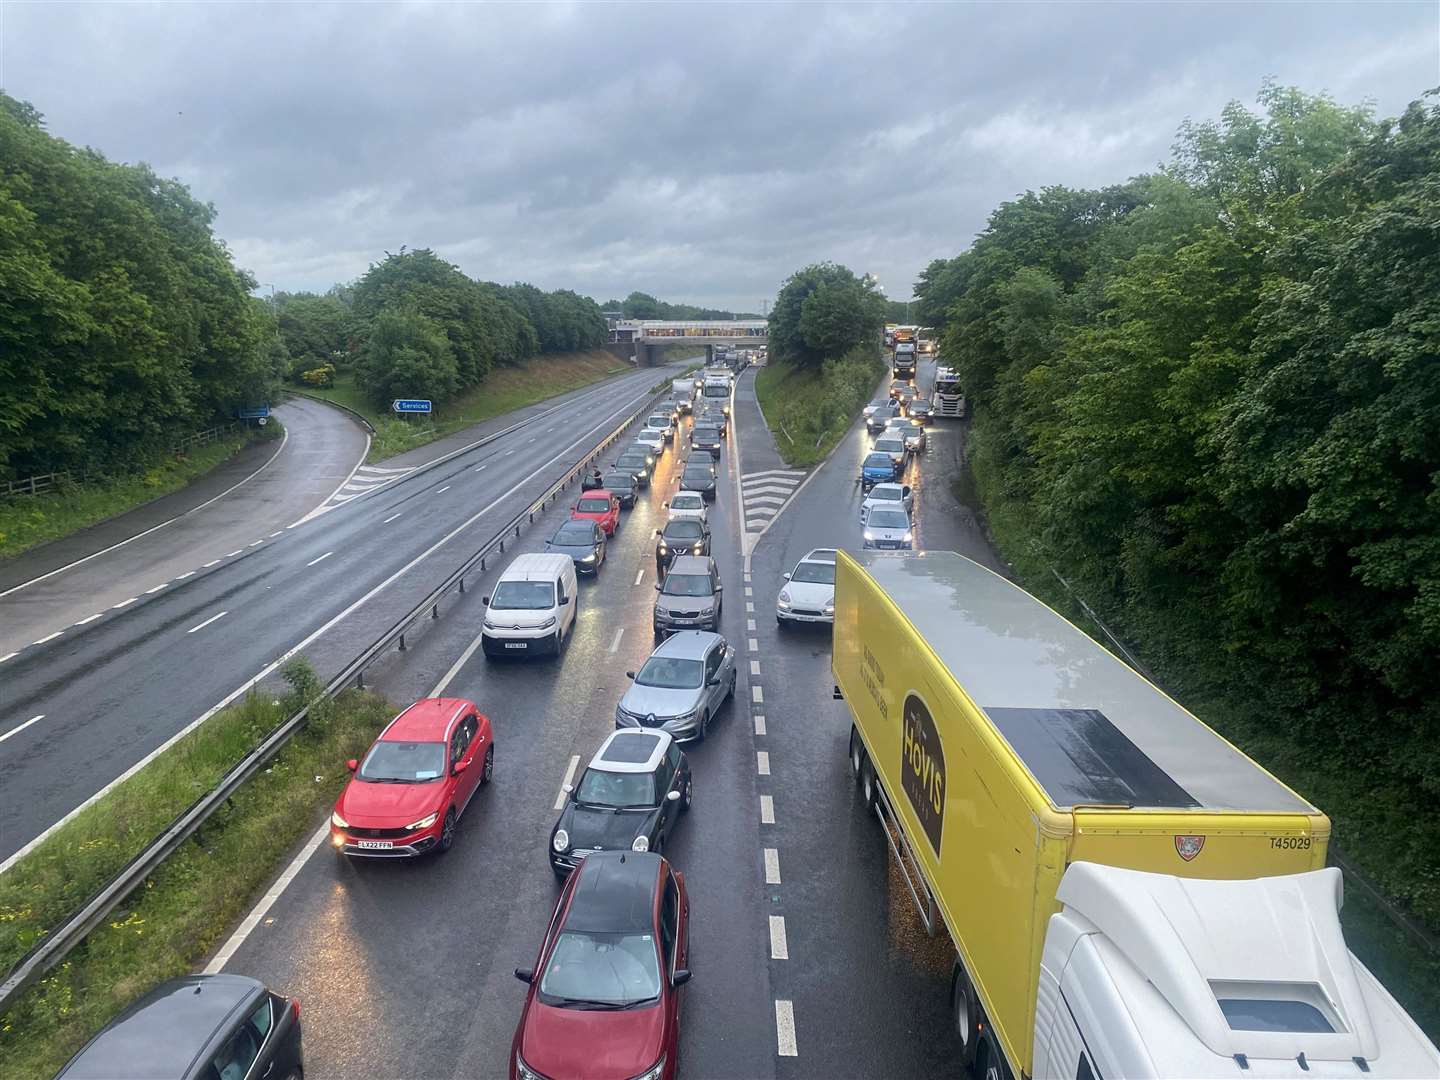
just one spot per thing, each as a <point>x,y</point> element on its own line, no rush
<point>662,422</point>
<point>809,591</point>
<point>688,504</point>
<point>894,445</point>
<point>653,439</point>
<point>910,430</point>
<point>888,496</point>
<point>889,527</point>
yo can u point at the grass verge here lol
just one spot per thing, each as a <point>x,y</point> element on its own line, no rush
<point>809,411</point>
<point>503,390</point>
<point>29,520</point>
<point>186,908</point>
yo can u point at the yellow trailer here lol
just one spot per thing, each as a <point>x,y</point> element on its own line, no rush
<point>1002,747</point>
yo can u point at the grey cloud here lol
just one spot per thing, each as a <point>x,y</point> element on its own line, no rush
<point>698,152</point>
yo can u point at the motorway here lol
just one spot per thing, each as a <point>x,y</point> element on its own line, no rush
<point>86,707</point>
<point>808,959</point>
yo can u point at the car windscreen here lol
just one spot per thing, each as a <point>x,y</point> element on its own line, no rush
<point>821,573</point>
<point>717,391</point>
<point>887,493</point>
<point>888,519</point>
<point>879,404</point>
<point>891,446</point>
<point>632,459</point>
<point>687,502</point>
<point>875,461</point>
<point>684,530</point>
<point>687,585</point>
<point>593,506</point>
<point>575,533</point>
<point>616,789</point>
<point>596,971</point>
<point>395,762</point>
<point>670,673</point>
<point>522,596</point>
<point>709,433</point>
<point>620,479</point>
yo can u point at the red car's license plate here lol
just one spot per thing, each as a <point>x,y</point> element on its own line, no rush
<point>375,843</point>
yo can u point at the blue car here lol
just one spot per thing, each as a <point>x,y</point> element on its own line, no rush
<point>877,468</point>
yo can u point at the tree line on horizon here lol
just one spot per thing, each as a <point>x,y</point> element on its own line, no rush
<point>1209,398</point>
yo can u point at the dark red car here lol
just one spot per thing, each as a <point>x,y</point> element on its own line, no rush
<point>601,507</point>
<point>410,789</point>
<point>606,989</point>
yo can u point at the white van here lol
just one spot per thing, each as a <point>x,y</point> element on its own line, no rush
<point>532,608</point>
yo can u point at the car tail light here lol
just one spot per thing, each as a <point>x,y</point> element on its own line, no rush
<point>295,1008</point>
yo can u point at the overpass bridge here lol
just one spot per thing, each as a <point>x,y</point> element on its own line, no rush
<point>648,335</point>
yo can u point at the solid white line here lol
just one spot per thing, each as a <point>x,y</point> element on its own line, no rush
<point>441,491</point>
<point>207,622</point>
<point>785,1029</point>
<point>122,603</point>
<point>90,618</point>
<point>767,810</point>
<point>455,667</point>
<point>391,518</point>
<point>157,588</point>
<point>22,727</point>
<point>188,573</point>
<point>615,641</point>
<point>322,558</point>
<point>232,554</point>
<point>569,775</point>
<point>754,667</point>
<point>762,762</point>
<point>753,644</point>
<point>750,625</point>
<point>779,949</point>
<point>51,637</point>
<point>274,665</point>
<point>8,656</point>
<point>213,562</point>
<point>772,866</point>
<point>257,913</point>
<point>759,724</point>
<point>95,555</point>
<point>639,574</point>
<point>757,695</point>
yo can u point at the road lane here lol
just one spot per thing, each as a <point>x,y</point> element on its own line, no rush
<point>119,688</point>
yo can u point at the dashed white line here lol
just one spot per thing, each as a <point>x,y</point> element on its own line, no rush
<point>480,468</point>
<point>232,554</point>
<point>22,727</point>
<point>207,622</point>
<point>762,762</point>
<point>90,618</point>
<point>50,637</point>
<point>757,695</point>
<point>122,603</point>
<point>639,574</point>
<point>754,667</point>
<point>753,644</point>
<point>391,518</point>
<point>785,1029</point>
<point>441,491</point>
<point>772,866</point>
<point>256,543</point>
<point>507,453</point>
<point>767,810</point>
<point>157,588</point>
<point>322,558</point>
<point>749,591</point>
<point>213,562</point>
<point>750,625</point>
<point>615,641</point>
<point>253,919</point>
<point>188,573</point>
<point>276,533</point>
<point>749,607</point>
<point>759,724</point>
<point>779,948</point>
<point>569,775</point>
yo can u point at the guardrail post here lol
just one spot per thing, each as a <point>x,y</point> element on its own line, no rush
<point>402,642</point>
<point>360,680</point>
<point>435,611</point>
<point>462,582</point>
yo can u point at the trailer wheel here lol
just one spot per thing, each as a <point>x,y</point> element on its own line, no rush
<point>989,1061</point>
<point>857,754</point>
<point>965,1010</point>
<point>868,784</point>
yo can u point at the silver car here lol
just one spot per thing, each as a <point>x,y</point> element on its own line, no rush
<point>689,596</point>
<point>681,686</point>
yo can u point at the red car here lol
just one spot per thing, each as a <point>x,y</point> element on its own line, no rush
<point>416,780</point>
<point>605,992</point>
<point>601,507</point>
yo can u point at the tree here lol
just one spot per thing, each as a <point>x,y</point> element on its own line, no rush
<point>406,355</point>
<point>316,329</point>
<point>823,311</point>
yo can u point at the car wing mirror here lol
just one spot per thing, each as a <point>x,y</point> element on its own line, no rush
<point>715,681</point>
<point>658,586</point>
<point>564,600</point>
<point>527,975</point>
<point>680,978</point>
<point>630,674</point>
<point>657,532</point>
<point>569,789</point>
<point>672,796</point>
<point>787,575</point>
<point>459,767</point>
<point>666,504</point>
<point>352,764</point>
<point>485,600</point>
<point>719,589</point>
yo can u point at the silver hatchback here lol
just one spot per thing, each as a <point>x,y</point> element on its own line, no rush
<point>681,686</point>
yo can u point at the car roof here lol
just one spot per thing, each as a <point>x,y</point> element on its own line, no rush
<point>535,566</point>
<point>430,719</point>
<point>684,525</point>
<point>615,893</point>
<point>687,644</point>
<point>899,488</point>
<point>825,555</point>
<point>631,750</point>
<point>692,494</point>
<point>594,493</point>
<point>690,564</point>
<point>878,454</point>
<point>697,465</point>
<point>163,1032</point>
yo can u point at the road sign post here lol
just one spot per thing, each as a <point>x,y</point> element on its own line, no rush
<point>411,406</point>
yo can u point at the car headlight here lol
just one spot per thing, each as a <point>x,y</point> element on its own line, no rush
<point>524,1072</point>
<point>830,606</point>
<point>589,558</point>
<point>699,548</point>
<point>869,535</point>
<point>424,823</point>
<point>707,612</point>
<point>653,1073</point>
<point>487,623</point>
<point>561,841</point>
<point>548,623</point>
<point>642,843</point>
<point>785,596</point>
<point>339,822</point>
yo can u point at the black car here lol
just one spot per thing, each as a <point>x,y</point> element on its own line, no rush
<point>622,483</point>
<point>699,475</point>
<point>583,540</point>
<point>682,536</point>
<point>199,1026</point>
<point>707,439</point>
<point>921,410</point>
<point>715,418</point>
<point>637,462</point>
<point>652,456</point>
<point>628,799</point>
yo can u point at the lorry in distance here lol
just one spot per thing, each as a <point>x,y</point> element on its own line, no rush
<point>1128,894</point>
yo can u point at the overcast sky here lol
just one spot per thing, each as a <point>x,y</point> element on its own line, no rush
<point>696,152</point>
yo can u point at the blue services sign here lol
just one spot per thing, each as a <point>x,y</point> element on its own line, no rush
<point>410,405</point>
<point>255,412</point>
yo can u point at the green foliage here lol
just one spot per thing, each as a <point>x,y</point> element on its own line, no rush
<point>123,321</point>
<point>824,311</point>
<point>640,305</point>
<point>1211,399</point>
<point>563,320</point>
<point>407,355</point>
<point>807,413</point>
<point>316,330</point>
<point>322,376</point>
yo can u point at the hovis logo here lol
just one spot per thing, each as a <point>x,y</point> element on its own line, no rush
<point>922,769</point>
<point>1189,846</point>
